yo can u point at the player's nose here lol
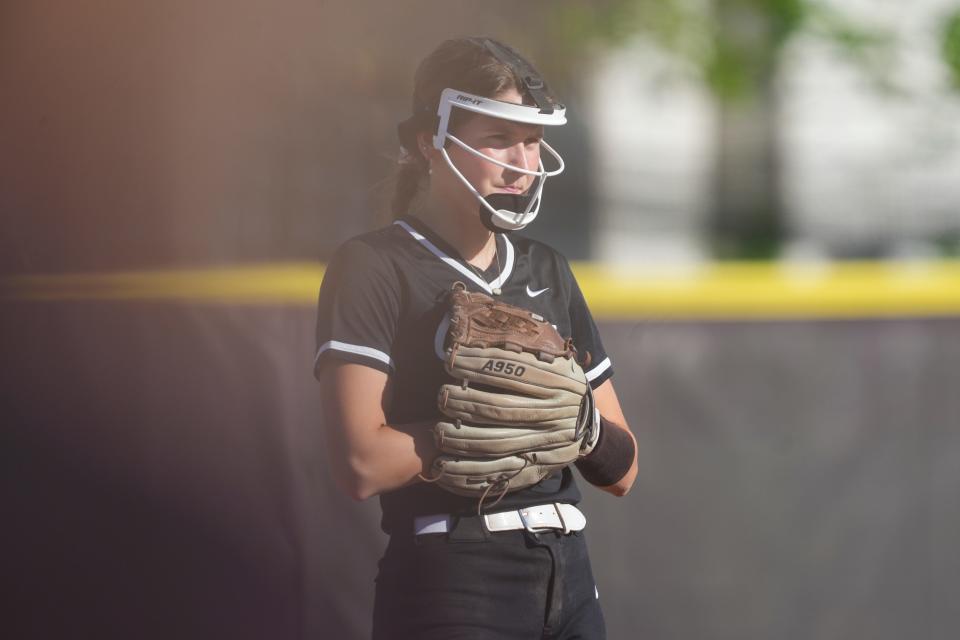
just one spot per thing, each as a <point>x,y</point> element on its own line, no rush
<point>517,156</point>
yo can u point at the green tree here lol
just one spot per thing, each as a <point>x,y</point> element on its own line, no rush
<point>736,48</point>
<point>950,46</point>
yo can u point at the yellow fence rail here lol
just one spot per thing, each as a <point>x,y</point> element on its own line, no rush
<point>709,291</point>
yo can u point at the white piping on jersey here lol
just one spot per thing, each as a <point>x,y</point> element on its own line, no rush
<point>370,352</point>
<point>486,286</point>
<point>597,370</point>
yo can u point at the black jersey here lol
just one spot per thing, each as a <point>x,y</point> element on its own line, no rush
<point>382,304</point>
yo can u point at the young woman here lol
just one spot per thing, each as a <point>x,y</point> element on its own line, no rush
<point>471,173</point>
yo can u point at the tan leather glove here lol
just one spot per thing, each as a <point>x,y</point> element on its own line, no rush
<point>523,407</point>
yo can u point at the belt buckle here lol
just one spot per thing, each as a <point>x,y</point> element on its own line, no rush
<point>541,518</point>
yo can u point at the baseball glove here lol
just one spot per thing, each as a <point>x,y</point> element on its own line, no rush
<point>523,407</point>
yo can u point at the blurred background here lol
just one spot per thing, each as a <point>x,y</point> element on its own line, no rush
<point>762,198</point>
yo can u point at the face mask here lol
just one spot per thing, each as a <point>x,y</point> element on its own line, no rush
<point>500,211</point>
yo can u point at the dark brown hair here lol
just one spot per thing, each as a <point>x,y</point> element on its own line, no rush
<point>464,64</point>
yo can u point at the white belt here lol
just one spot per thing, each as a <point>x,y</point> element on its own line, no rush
<point>541,517</point>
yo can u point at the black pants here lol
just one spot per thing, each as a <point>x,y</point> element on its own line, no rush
<point>474,585</point>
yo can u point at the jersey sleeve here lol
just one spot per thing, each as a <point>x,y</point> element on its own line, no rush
<point>358,308</point>
<point>586,336</point>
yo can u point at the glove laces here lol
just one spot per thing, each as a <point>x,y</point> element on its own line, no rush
<point>501,484</point>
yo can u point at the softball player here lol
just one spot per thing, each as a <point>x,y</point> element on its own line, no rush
<point>472,173</point>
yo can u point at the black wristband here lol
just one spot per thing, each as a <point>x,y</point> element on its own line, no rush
<point>610,459</point>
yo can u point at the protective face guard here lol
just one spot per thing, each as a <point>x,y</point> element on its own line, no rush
<point>500,211</point>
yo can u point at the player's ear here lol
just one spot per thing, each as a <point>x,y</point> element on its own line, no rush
<point>425,145</point>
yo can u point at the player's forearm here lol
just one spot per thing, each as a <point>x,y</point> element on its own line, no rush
<point>390,457</point>
<point>612,466</point>
<point>623,486</point>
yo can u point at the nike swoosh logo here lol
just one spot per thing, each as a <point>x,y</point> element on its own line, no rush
<point>534,294</point>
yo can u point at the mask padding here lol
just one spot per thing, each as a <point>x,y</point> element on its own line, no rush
<point>505,201</point>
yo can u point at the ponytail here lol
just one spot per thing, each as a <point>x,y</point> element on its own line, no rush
<point>409,176</point>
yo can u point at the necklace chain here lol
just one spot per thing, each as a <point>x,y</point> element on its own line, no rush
<point>496,256</point>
